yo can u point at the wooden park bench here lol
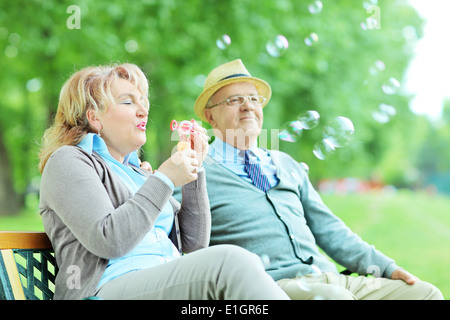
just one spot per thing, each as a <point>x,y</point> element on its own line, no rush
<point>27,266</point>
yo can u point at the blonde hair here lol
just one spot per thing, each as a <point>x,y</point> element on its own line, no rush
<point>87,89</point>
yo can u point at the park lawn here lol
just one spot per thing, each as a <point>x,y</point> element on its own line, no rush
<point>412,228</point>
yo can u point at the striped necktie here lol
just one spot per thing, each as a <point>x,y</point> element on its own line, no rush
<point>256,174</point>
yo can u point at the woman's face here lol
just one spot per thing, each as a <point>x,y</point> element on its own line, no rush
<point>123,125</point>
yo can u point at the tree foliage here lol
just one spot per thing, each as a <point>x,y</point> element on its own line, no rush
<point>174,42</point>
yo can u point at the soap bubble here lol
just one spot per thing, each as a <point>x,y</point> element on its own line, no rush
<point>305,167</point>
<point>304,278</point>
<point>323,148</point>
<point>336,134</point>
<point>311,39</point>
<point>309,119</point>
<point>291,132</point>
<point>377,67</point>
<point>11,51</point>
<point>368,4</point>
<point>265,260</point>
<point>278,46</point>
<point>131,46</point>
<point>294,129</point>
<point>34,85</point>
<point>384,113</point>
<point>315,7</point>
<point>314,271</point>
<point>391,86</point>
<point>223,42</point>
<point>339,131</point>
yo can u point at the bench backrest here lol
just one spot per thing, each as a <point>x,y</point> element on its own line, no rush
<point>27,266</point>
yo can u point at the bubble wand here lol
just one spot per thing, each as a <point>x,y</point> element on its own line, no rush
<point>185,128</point>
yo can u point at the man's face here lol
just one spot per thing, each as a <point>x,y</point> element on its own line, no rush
<point>238,126</point>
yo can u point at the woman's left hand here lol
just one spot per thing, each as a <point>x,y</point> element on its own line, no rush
<point>146,166</point>
<point>199,143</point>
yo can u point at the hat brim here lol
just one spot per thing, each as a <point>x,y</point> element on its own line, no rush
<point>262,87</point>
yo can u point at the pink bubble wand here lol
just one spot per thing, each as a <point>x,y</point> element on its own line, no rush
<point>185,128</point>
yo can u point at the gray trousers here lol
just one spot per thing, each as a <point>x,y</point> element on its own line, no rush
<point>223,272</point>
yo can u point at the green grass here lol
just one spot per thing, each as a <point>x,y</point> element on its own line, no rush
<point>28,220</point>
<point>412,228</point>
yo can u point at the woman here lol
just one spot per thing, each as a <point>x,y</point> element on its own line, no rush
<point>116,231</point>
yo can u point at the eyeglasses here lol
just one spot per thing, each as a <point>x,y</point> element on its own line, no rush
<point>236,101</point>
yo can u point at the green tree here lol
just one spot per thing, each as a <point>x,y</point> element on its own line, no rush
<point>174,41</point>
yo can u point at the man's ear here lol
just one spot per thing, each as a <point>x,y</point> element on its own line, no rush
<point>93,119</point>
<point>209,117</point>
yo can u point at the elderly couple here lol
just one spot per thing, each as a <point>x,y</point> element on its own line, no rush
<point>197,227</point>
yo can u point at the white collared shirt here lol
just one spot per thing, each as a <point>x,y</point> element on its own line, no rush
<point>234,160</point>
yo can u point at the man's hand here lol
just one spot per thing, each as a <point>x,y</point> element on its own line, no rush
<point>402,274</point>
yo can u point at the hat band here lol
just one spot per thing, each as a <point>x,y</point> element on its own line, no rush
<point>234,76</point>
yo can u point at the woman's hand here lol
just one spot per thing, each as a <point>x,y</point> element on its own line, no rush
<point>181,167</point>
<point>199,143</point>
<point>145,165</point>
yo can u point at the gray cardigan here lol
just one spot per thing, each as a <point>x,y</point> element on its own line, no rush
<point>90,217</point>
<point>288,223</point>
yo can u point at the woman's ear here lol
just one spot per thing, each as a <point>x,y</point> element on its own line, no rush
<point>93,119</point>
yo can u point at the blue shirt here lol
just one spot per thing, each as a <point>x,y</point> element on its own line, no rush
<point>234,160</point>
<point>156,247</point>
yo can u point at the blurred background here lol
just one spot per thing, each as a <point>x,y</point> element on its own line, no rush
<point>359,98</point>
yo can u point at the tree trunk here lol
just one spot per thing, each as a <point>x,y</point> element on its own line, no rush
<point>9,203</point>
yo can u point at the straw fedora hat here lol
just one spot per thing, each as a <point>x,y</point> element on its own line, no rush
<point>225,74</point>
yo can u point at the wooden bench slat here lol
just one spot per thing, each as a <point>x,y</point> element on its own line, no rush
<point>24,240</point>
<point>13,274</point>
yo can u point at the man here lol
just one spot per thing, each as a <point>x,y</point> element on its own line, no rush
<point>262,200</point>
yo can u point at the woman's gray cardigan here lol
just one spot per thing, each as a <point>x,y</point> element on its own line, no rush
<point>90,217</point>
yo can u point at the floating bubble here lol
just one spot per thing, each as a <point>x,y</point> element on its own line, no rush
<point>14,38</point>
<point>323,149</point>
<point>291,132</point>
<point>278,46</point>
<point>304,278</point>
<point>363,26</point>
<point>34,85</point>
<point>11,51</point>
<point>384,113</point>
<point>391,86</point>
<point>314,271</point>
<point>305,167</point>
<point>311,39</point>
<point>339,131</point>
<point>379,64</point>
<point>131,46</point>
<point>370,3</point>
<point>223,42</point>
<point>309,119</point>
<point>200,80</point>
<point>265,260</point>
<point>315,7</point>
<point>285,135</point>
<point>372,23</point>
<point>377,67</point>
